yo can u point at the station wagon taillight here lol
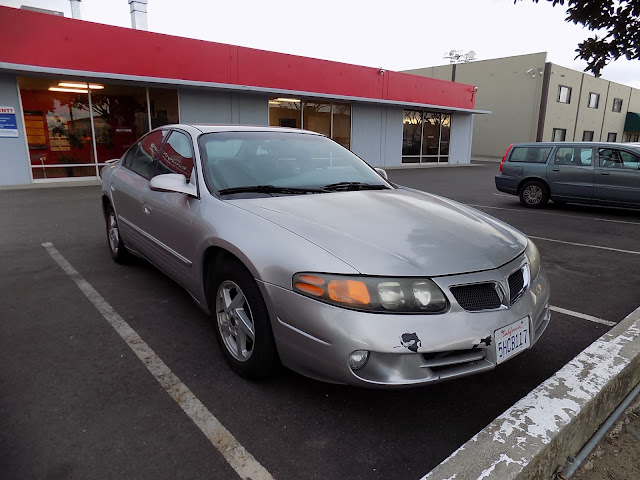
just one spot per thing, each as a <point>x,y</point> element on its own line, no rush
<point>505,157</point>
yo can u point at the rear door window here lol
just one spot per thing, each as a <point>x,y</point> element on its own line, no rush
<point>530,154</point>
<point>576,156</point>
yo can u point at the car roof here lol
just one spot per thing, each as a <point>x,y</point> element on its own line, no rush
<point>216,128</point>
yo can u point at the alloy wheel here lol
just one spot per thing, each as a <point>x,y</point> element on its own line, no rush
<point>532,194</point>
<point>235,321</point>
<point>113,233</point>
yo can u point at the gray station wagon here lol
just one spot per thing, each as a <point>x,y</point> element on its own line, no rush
<point>581,172</point>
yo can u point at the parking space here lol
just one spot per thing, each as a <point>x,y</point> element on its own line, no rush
<point>75,401</point>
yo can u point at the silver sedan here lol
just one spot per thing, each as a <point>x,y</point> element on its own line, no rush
<point>305,256</point>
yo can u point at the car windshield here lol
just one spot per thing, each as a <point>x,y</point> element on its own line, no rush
<point>282,162</point>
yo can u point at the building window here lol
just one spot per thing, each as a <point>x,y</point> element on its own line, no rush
<point>330,119</point>
<point>564,94</point>
<point>617,105</point>
<point>635,138</point>
<point>587,136</point>
<point>61,116</point>
<point>425,137</point>
<point>559,134</point>
<point>627,137</point>
<point>594,100</point>
<point>163,107</point>
<point>611,137</point>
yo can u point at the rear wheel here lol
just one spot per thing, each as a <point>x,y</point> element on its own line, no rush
<point>243,328</point>
<point>534,194</point>
<point>114,240</point>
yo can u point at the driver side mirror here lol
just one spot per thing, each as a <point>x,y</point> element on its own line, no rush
<point>382,173</point>
<point>173,182</point>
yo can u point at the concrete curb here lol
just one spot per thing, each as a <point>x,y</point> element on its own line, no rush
<point>534,437</point>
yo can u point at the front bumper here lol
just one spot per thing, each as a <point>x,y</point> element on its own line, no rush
<point>316,339</point>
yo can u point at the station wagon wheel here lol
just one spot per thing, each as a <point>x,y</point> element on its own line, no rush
<point>242,322</point>
<point>534,194</point>
<point>114,240</point>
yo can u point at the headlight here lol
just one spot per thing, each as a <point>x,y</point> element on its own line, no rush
<point>373,294</point>
<point>533,255</point>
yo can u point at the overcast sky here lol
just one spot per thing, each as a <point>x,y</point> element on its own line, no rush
<point>395,35</point>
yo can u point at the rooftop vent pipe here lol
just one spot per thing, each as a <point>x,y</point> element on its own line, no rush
<point>138,14</point>
<point>75,9</point>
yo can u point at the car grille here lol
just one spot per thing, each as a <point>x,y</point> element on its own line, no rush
<point>516,285</point>
<point>480,296</point>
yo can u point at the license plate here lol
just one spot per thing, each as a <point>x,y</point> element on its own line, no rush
<point>512,339</point>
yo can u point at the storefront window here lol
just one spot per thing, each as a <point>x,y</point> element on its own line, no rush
<point>342,124</point>
<point>317,117</point>
<point>120,118</point>
<point>163,106</point>
<point>285,112</point>
<point>58,129</point>
<point>425,137</point>
<point>411,136</point>
<point>330,119</point>
<point>60,116</point>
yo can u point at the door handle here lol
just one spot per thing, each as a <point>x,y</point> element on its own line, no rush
<point>604,173</point>
<point>555,169</point>
<point>147,209</point>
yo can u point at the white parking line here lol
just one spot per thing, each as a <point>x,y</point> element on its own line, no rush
<point>245,465</point>
<point>595,219</point>
<point>582,316</point>
<point>585,245</point>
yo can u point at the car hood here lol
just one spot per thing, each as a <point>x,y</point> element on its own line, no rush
<point>394,232</point>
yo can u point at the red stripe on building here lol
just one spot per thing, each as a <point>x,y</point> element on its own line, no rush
<point>38,39</point>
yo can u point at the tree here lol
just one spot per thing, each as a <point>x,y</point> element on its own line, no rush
<point>618,23</point>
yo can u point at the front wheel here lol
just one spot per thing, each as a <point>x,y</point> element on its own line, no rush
<point>242,322</point>
<point>534,194</point>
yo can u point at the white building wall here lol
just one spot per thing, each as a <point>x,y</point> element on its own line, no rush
<point>614,121</point>
<point>461,138</point>
<point>14,154</point>
<point>590,119</point>
<point>206,106</point>
<point>376,134</point>
<point>562,115</point>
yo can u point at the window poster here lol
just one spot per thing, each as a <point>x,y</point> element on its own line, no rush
<point>8,124</point>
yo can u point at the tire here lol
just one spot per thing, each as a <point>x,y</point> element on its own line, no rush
<point>241,321</point>
<point>116,246</point>
<point>534,194</point>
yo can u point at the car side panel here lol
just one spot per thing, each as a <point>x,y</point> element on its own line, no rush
<point>570,181</point>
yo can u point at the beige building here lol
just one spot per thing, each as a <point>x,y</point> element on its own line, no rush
<point>535,100</point>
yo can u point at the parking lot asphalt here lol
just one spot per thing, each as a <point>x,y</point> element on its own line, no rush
<point>75,401</point>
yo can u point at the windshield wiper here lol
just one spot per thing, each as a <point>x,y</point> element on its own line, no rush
<point>268,189</point>
<point>344,186</point>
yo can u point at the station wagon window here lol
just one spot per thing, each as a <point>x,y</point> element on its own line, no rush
<point>139,158</point>
<point>559,134</point>
<point>611,137</point>
<point>614,158</point>
<point>564,94</point>
<point>577,156</point>
<point>629,160</point>
<point>594,100</point>
<point>617,105</point>
<point>177,155</point>
<point>530,154</point>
